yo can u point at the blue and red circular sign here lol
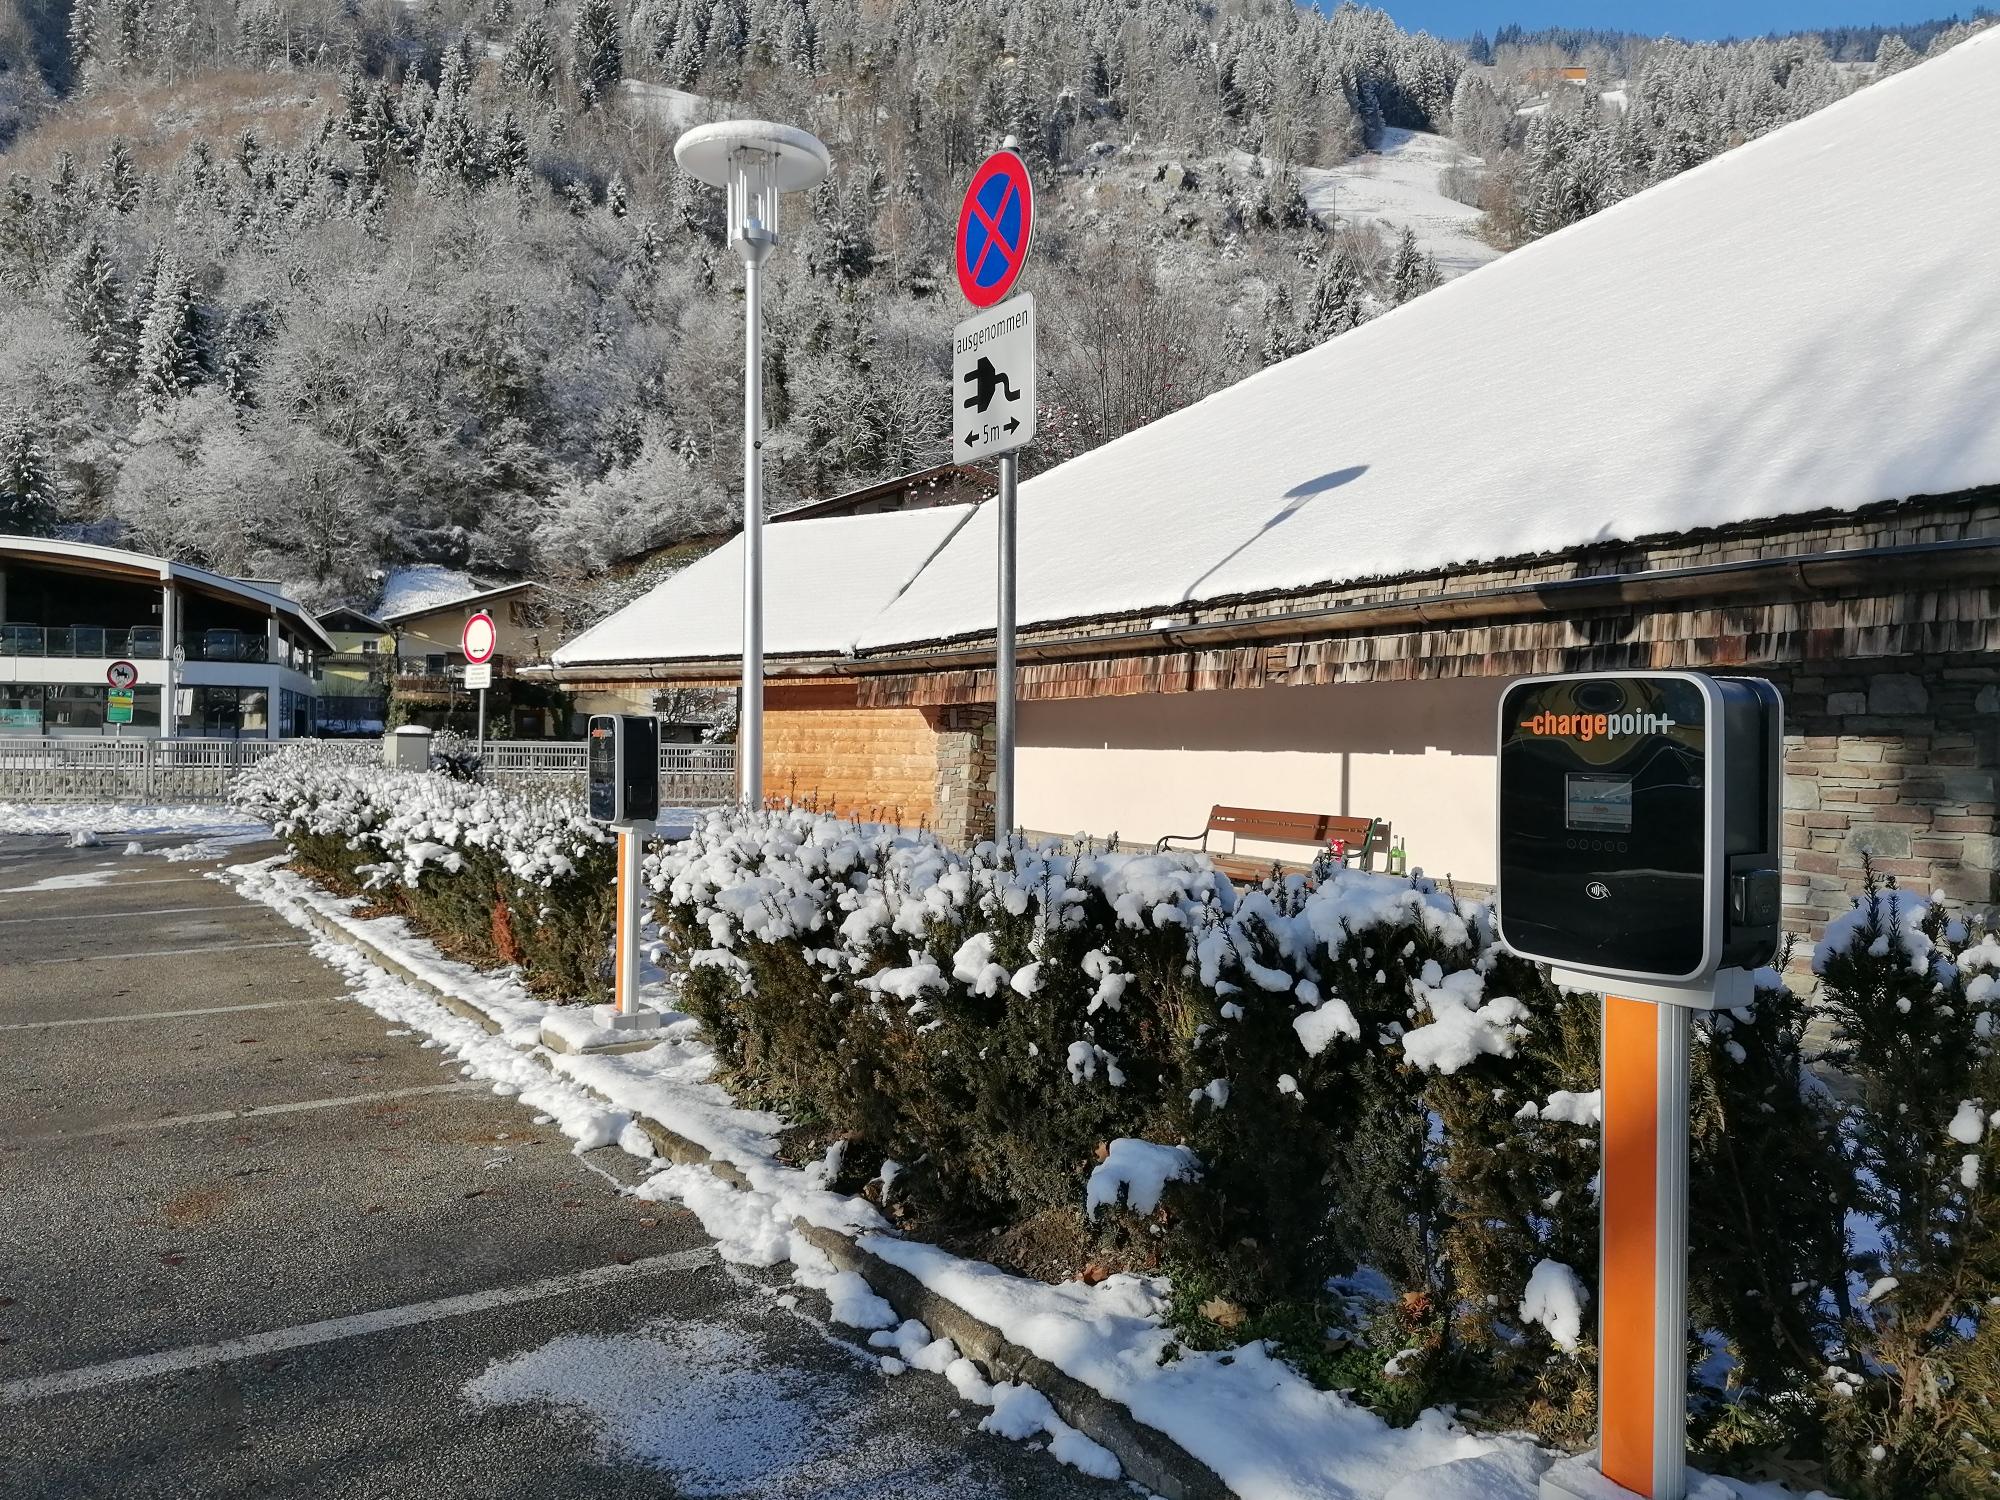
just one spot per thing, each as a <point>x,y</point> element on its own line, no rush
<point>995,223</point>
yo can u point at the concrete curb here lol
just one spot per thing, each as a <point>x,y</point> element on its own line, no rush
<point>1149,1456</point>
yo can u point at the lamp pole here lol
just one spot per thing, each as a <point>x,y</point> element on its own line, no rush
<point>754,162</point>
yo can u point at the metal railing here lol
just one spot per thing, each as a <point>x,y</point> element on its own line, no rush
<point>690,775</point>
<point>140,642</point>
<point>108,769</point>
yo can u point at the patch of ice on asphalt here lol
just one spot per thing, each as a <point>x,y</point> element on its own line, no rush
<point>713,1408</point>
<point>79,881</point>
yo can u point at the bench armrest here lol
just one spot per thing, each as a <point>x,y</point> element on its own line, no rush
<point>1200,839</point>
<point>1358,852</point>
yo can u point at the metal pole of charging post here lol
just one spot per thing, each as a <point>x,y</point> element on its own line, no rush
<point>754,162</point>
<point>1642,1311</point>
<point>1003,667</point>
<point>627,961</point>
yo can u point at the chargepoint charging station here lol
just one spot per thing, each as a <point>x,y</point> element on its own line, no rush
<point>624,770</point>
<point>1640,839</point>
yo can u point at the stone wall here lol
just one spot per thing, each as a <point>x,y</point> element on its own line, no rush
<point>966,768</point>
<point>1897,759</point>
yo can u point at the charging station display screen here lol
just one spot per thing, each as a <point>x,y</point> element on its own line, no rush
<point>603,768</point>
<point>1599,804</point>
<point>1604,822</point>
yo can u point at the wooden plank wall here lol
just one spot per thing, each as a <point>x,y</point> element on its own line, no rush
<point>871,763</point>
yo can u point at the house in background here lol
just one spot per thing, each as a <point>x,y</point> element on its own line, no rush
<point>1308,591</point>
<point>427,618</point>
<point>216,657</point>
<point>354,681</point>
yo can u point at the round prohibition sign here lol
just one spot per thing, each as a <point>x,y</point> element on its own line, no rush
<point>996,223</point>
<point>479,638</point>
<point>121,674</point>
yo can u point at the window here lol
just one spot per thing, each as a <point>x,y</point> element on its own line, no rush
<point>227,713</point>
<point>75,706</point>
<point>368,648</point>
<point>20,709</point>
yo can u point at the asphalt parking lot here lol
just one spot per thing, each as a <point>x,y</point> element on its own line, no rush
<point>253,1244</point>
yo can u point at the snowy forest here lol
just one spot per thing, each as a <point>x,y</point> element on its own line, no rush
<point>303,290</point>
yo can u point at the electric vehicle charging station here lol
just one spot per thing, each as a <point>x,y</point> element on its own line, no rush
<point>623,762</point>
<point>1640,839</point>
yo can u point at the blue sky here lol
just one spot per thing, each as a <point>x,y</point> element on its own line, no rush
<point>1701,20</point>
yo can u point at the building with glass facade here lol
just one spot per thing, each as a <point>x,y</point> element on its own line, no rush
<point>214,657</point>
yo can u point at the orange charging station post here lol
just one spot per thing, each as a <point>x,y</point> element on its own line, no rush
<point>1639,836</point>
<point>623,762</point>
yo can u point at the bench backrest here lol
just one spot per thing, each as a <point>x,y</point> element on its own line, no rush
<point>1289,827</point>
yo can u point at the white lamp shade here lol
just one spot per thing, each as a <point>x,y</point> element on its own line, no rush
<point>782,156</point>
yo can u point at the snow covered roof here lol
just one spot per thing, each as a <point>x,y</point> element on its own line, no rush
<point>825,579</point>
<point>1810,321</point>
<point>425,588</point>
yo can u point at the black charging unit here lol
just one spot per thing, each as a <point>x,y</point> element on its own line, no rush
<point>624,767</point>
<point>1640,830</point>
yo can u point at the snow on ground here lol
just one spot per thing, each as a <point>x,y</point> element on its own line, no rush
<point>1396,188</point>
<point>115,817</point>
<point>76,880</point>
<point>423,586</point>
<point>706,1403</point>
<point>754,1429</point>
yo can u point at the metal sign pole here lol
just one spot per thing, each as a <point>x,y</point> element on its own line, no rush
<point>1003,679</point>
<point>481,752</point>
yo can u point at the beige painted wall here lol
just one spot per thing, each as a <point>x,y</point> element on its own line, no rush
<point>443,629</point>
<point>1418,754</point>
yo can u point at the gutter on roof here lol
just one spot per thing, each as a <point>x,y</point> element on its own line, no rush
<point>1762,578</point>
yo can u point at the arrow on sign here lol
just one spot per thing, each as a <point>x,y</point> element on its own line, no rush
<point>971,439</point>
<point>1012,423</point>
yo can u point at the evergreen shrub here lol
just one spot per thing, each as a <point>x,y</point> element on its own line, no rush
<point>496,877</point>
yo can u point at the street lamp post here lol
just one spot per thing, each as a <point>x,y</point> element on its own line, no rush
<point>754,162</point>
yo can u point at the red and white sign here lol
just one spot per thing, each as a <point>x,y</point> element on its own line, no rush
<point>480,638</point>
<point>996,222</point>
<point>121,674</point>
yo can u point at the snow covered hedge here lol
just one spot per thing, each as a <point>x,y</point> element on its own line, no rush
<point>496,877</point>
<point>1081,1062</point>
<point>1255,1091</point>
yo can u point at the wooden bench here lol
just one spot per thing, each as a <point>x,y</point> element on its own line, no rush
<point>1318,831</point>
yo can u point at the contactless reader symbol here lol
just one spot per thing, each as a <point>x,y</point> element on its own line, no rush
<point>985,382</point>
<point>1597,890</point>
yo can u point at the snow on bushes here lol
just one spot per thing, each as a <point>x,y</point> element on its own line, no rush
<point>497,877</point>
<point>1257,1091</point>
<point>1215,1082</point>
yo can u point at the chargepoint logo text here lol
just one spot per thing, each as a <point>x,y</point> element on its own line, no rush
<point>1588,727</point>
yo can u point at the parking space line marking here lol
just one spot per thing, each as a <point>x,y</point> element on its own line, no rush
<point>306,1335</point>
<point>214,1116</point>
<point>167,1015</point>
<point>90,958</point>
<point>101,916</point>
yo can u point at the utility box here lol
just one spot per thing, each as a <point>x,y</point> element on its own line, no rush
<point>1640,829</point>
<point>624,766</point>
<point>408,748</point>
